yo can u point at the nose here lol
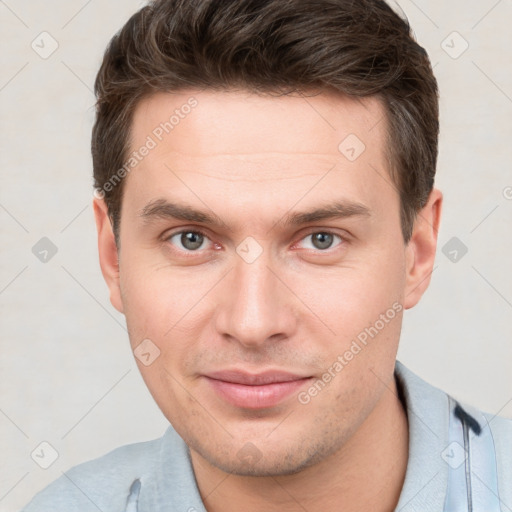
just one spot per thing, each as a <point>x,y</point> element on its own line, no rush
<point>254,307</point>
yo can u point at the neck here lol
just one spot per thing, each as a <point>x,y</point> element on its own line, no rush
<point>367,473</point>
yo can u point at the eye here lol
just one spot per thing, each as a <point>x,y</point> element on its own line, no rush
<point>189,240</point>
<point>321,240</point>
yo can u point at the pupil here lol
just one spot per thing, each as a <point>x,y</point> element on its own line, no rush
<point>322,240</point>
<point>191,240</point>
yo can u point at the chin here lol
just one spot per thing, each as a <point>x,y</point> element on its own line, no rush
<point>267,462</point>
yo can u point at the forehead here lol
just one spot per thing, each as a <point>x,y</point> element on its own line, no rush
<point>238,122</point>
<point>251,153</point>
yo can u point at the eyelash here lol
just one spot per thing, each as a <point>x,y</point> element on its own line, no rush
<point>342,239</point>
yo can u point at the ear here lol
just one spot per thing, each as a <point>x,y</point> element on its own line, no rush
<point>421,249</point>
<point>107,249</point>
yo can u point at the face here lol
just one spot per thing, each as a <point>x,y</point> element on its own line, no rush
<point>262,260</point>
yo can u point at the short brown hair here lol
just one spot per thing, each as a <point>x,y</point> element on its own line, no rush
<point>360,48</point>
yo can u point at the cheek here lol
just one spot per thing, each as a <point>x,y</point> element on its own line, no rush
<point>353,296</point>
<point>155,300</point>
<point>362,306</point>
<point>168,309</point>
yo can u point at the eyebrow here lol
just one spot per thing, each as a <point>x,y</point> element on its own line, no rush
<point>163,209</point>
<point>336,210</point>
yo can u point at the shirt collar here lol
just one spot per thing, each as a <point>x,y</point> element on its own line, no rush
<point>428,412</point>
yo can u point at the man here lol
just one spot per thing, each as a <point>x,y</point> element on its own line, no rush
<point>265,209</point>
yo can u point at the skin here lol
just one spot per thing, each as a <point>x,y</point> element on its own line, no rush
<point>250,161</point>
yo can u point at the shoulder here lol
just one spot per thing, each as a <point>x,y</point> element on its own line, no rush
<point>501,429</point>
<point>99,484</point>
<point>501,433</point>
<point>490,441</point>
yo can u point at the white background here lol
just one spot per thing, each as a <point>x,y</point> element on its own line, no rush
<point>67,375</point>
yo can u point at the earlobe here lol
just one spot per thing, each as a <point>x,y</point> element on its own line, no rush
<point>108,254</point>
<point>421,249</point>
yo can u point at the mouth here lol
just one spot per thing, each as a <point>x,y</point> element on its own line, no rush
<point>255,391</point>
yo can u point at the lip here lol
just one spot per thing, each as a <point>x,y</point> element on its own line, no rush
<point>255,391</point>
